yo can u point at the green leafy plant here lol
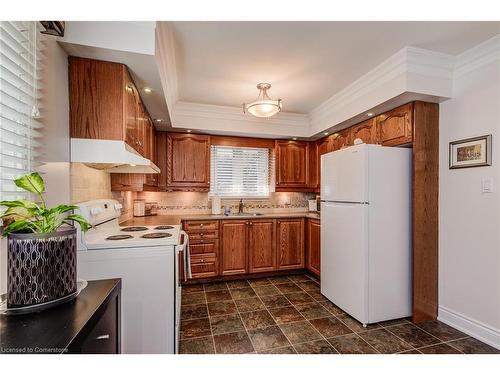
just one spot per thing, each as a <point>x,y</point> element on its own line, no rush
<point>25,216</point>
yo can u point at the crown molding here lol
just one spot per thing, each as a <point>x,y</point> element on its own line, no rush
<point>411,69</point>
<point>165,59</point>
<point>478,56</point>
<point>232,120</point>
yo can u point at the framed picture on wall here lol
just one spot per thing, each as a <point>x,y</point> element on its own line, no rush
<point>471,152</point>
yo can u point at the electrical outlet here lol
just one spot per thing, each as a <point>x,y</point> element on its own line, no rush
<point>487,185</point>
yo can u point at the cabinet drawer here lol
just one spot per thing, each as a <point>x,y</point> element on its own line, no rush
<point>203,266</point>
<point>201,225</point>
<point>203,235</point>
<point>204,247</point>
<point>103,338</point>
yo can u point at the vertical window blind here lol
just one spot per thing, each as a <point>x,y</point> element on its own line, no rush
<point>18,94</point>
<point>240,171</point>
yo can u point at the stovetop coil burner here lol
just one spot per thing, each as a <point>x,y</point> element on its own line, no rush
<point>164,227</point>
<point>134,229</point>
<point>156,235</point>
<point>119,237</point>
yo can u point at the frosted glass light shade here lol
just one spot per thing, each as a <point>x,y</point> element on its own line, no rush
<point>263,106</point>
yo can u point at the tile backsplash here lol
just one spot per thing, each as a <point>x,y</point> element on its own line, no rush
<point>176,203</point>
<point>89,183</point>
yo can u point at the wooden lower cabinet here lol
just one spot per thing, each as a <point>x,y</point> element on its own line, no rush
<point>313,246</point>
<point>261,246</point>
<point>232,247</point>
<point>234,253</point>
<point>290,243</point>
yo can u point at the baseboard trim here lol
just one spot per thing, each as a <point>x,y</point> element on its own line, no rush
<point>472,327</point>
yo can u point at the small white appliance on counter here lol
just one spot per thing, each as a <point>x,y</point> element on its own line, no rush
<point>147,259</point>
<point>366,231</point>
<point>143,208</point>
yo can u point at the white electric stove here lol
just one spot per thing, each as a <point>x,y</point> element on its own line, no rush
<point>148,260</point>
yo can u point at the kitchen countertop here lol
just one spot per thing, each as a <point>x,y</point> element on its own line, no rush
<point>177,219</point>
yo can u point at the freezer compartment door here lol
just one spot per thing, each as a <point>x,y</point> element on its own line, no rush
<point>344,175</point>
<point>344,257</point>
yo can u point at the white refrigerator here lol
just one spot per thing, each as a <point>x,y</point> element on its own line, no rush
<point>366,231</point>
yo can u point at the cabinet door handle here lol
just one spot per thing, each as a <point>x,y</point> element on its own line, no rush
<point>103,337</point>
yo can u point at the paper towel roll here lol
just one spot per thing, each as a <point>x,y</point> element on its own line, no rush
<point>216,210</point>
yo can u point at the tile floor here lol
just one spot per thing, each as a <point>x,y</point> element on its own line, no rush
<point>288,315</point>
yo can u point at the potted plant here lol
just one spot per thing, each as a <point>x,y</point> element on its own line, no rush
<point>41,253</point>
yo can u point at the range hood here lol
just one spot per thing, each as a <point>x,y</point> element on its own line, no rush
<point>110,156</point>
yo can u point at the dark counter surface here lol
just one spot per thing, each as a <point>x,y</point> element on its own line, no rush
<point>54,329</point>
<point>176,219</point>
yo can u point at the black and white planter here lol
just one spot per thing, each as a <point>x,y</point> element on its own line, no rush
<point>41,269</point>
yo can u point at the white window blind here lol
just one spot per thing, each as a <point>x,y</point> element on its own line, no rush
<point>18,91</point>
<point>240,171</point>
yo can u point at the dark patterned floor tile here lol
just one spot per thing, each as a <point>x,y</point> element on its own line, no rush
<point>286,315</point>
<point>222,308</point>
<point>201,345</point>
<point>266,290</point>
<point>351,344</point>
<point>218,295</point>
<point>412,351</point>
<point>313,310</point>
<point>413,335</point>
<point>299,298</point>
<point>233,343</point>
<point>334,309</point>
<point>258,282</point>
<point>194,311</point>
<point>315,347</point>
<point>273,302</point>
<point>317,295</point>
<point>249,304</point>
<point>394,322</point>
<point>226,323</point>
<point>354,325</point>
<point>268,338</point>
<point>257,319</point>
<point>330,327</point>
<point>243,293</point>
<point>442,331</point>
<point>283,350</point>
<point>195,328</point>
<point>471,345</point>
<point>384,341</point>
<point>439,349</point>
<point>238,284</point>
<point>300,332</point>
<point>193,298</point>
<point>299,278</point>
<point>279,280</point>
<point>309,285</point>
<point>215,286</point>
<point>192,288</point>
<point>288,288</point>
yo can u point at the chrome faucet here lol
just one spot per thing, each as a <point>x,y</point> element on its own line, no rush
<point>240,206</point>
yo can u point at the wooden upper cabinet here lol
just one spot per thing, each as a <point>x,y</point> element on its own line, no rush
<point>396,126</point>
<point>366,131</point>
<point>340,140</point>
<point>261,245</point>
<point>233,259</point>
<point>161,159</point>
<point>292,165</point>
<point>188,162</point>
<point>104,102</point>
<point>313,246</point>
<point>290,243</point>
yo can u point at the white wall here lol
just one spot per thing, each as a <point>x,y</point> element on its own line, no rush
<point>54,109</point>
<point>469,240</point>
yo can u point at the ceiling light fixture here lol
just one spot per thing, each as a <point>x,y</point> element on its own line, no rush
<point>189,131</point>
<point>326,133</point>
<point>158,120</point>
<point>147,90</point>
<point>369,114</point>
<point>263,106</point>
